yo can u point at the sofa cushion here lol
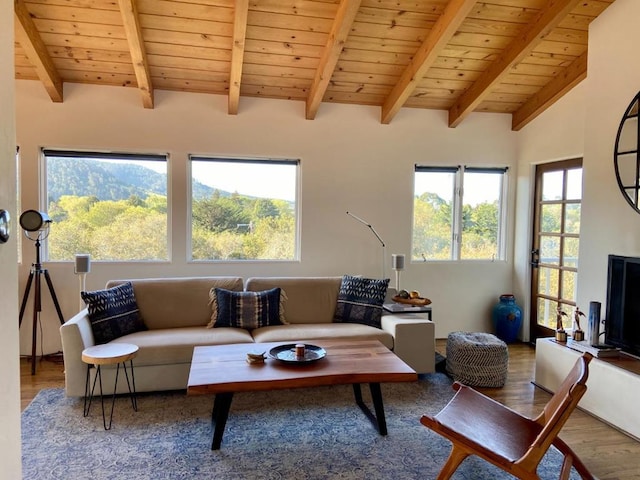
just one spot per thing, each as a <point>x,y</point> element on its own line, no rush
<point>360,300</point>
<point>247,310</point>
<point>308,332</point>
<point>177,301</point>
<point>169,346</point>
<point>113,312</point>
<point>309,299</point>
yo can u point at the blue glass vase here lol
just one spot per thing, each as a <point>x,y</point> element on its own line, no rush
<point>507,318</point>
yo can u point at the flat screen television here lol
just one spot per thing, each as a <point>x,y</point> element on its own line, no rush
<point>622,321</point>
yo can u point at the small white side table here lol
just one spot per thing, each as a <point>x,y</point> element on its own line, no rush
<point>109,354</point>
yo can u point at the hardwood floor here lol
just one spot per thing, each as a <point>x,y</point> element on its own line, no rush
<point>608,453</point>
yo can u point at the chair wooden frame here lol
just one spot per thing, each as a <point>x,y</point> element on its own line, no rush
<point>478,425</point>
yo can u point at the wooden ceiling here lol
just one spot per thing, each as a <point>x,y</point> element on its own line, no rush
<point>503,56</point>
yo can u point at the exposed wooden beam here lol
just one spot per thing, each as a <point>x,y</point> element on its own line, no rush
<point>446,26</point>
<point>29,39</point>
<point>237,53</point>
<point>337,37</point>
<point>550,93</point>
<point>547,19</point>
<point>131,22</point>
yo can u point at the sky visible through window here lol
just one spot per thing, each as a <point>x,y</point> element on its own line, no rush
<point>478,188</point>
<point>268,180</point>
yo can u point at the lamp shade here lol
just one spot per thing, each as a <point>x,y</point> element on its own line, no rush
<point>33,220</point>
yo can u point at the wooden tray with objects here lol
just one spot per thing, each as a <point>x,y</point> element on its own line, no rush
<point>412,301</point>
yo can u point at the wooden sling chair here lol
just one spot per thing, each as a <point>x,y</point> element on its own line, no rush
<point>478,425</point>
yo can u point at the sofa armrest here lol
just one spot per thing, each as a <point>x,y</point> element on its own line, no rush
<point>413,339</point>
<point>76,335</point>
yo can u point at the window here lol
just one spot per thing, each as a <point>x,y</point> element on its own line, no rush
<point>112,206</point>
<point>458,213</point>
<point>243,209</point>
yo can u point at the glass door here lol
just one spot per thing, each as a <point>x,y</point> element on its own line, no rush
<point>554,251</point>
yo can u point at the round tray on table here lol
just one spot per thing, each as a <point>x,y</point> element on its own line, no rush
<point>287,354</point>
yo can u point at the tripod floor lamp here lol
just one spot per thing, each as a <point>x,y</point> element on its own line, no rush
<point>36,228</point>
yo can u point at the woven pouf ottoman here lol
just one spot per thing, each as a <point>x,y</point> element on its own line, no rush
<point>477,359</point>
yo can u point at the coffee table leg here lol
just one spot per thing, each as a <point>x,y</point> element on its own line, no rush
<point>219,415</point>
<point>376,395</point>
<point>378,419</point>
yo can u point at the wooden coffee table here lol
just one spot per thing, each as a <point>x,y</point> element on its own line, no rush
<point>222,370</point>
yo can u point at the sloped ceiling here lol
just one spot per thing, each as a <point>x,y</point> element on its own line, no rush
<point>502,56</point>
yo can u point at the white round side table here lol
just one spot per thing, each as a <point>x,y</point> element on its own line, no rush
<point>109,354</point>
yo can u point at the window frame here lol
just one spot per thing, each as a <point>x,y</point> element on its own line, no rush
<point>244,160</point>
<point>105,155</point>
<point>457,234</point>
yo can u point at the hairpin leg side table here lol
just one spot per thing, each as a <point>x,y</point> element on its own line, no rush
<point>109,354</point>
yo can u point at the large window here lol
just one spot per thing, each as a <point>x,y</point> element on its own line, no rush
<point>458,213</point>
<point>243,209</point>
<point>112,206</point>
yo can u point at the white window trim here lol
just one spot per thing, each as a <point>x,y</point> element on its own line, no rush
<point>245,159</point>
<point>457,209</point>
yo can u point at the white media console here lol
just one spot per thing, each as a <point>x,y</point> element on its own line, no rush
<point>613,386</point>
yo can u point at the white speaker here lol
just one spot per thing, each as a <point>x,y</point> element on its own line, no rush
<point>83,263</point>
<point>397,261</point>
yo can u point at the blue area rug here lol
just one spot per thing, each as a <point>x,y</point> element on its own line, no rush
<point>315,433</point>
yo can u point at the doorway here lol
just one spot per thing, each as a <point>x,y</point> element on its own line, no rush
<point>555,243</point>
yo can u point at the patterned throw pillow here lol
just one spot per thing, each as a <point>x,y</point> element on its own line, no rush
<point>360,300</point>
<point>113,312</point>
<point>247,310</point>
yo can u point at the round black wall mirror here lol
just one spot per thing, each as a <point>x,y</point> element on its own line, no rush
<point>626,155</point>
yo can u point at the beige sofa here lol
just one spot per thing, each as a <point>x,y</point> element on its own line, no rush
<point>176,312</point>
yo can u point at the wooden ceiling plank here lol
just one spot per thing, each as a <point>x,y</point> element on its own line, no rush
<point>545,21</point>
<point>446,26</point>
<point>344,19</point>
<point>36,51</point>
<point>131,22</point>
<point>550,93</point>
<point>237,53</point>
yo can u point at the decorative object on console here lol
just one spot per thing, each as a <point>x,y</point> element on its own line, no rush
<point>397,263</point>
<point>598,351</point>
<point>561,334</point>
<point>113,312</point>
<point>594,322</point>
<point>82,267</point>
<point>247,310</point>
<point>360,300</point>
<point>578,333</point>
<point>373,230</point>
<point>507,318</point>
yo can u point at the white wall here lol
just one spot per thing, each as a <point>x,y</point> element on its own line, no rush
<point>609,224</point>
<point>558,134</point>
<point>349,162</point>
<point>584,123</point>
<point>10,445</point>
